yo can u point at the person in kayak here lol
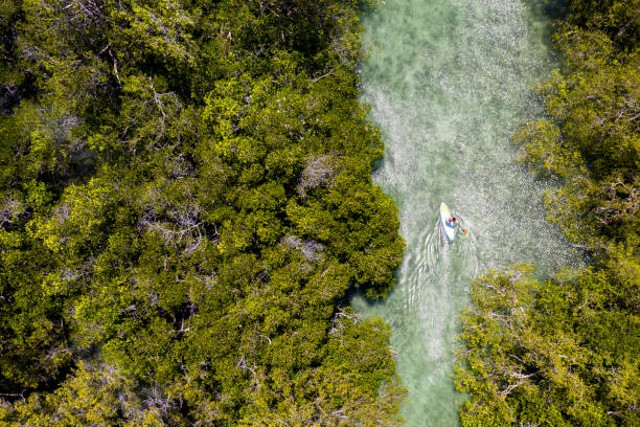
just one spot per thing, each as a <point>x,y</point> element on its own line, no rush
<point>453,223</point>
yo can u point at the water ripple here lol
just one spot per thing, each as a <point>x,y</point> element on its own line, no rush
<point>448,83</point>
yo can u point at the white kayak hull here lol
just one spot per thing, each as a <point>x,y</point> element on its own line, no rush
<point>448,228</point>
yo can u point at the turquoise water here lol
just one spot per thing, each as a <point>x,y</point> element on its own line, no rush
<point>448,82</point>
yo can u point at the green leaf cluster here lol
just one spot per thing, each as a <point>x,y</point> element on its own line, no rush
<point>557,353</point>
<point>185,202</point>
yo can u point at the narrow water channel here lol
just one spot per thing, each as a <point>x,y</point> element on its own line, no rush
<point>448,82</point>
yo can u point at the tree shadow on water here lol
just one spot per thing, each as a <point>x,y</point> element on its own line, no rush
<point>551,9</point>
<point>354,292</point>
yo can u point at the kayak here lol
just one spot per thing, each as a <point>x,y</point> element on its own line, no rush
<point>447,226</point>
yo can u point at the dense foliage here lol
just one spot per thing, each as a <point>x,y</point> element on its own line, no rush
<point>563,352</point>
<point>185,200</point>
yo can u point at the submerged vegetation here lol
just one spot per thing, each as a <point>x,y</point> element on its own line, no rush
<point>563,352</point>
<point>185,200</point>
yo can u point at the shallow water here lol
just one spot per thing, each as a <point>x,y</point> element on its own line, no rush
<point>448,82</point>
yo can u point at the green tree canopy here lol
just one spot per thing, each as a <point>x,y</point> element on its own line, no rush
<point>186,201</point>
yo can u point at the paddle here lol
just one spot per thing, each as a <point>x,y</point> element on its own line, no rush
<point>464,230</point>
<point>457,224</point>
